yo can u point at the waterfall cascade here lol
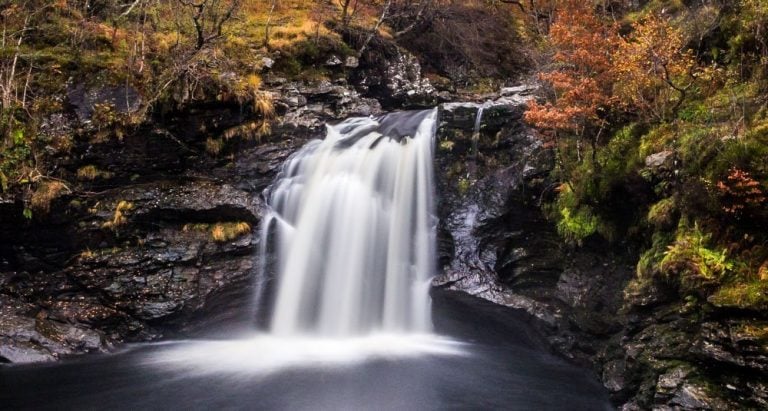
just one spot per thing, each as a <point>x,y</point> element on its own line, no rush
<point>352,230</point>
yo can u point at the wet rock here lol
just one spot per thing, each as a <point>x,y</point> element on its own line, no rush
<point>663,159</point>
<point>333,61</point>
<point>28,335</point>
<point>631,406</point>
<point>393,76</point>
<point>85,98</point>
<point>646,294</point>
<point>351,62</point>
<point>523,90</point>
<point>733,342</point>
<point>614,376</point>
<point>274,81</point>
<point>202,199</point>
<point>150,283</point>
<point>690,397</point>
<point>670,381</point>
<point>310,106</point>
<point>496,114</point>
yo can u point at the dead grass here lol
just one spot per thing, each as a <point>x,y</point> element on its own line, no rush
<point>46,192</point>
<point>119,217</point>
<point>91,173</point>
<point>223,232</point>
<point>214,146</point>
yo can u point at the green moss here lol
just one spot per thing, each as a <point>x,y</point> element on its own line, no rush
<point>657,140</point>
<point>618,159</point>
<point>696,111</point>
<point>576,225</point>
<point>446,145</point>
<point>751,295</point>
<point>463,185</point>
<point>662,213</point>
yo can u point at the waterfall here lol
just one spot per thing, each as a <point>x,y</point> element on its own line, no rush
<point>351,227</point>
<point>476,129</point>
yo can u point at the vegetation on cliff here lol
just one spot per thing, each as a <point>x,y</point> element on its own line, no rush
<point>76,74</point>
<point>659,117</point>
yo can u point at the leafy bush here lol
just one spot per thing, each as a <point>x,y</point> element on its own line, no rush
<point>694,262</point>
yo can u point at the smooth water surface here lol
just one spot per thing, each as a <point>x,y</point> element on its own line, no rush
<point>491,361</point>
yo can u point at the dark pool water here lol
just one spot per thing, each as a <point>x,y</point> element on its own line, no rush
<point>493,362</point>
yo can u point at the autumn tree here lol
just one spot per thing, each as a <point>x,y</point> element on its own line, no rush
<point>209,17</point>
<point>654,71</point>
<point>580,81</point>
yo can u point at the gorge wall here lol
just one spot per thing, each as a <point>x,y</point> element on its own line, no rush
<point>165,245</point>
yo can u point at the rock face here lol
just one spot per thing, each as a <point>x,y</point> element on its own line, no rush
<point>139,262</point>
<point>494,241</point>
<point>393,76</point>
<point>86,99</point>
<point>160,247</point>
<point>651,350</point>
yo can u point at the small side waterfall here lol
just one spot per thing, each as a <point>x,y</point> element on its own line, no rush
<point>476,129</point>
<point>352,229</point>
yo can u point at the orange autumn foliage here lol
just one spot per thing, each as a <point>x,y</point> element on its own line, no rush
<point>582,77</point>
<point>653,69</point>
<point>739,191</point>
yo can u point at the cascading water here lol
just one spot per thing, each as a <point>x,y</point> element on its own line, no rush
<point>350,239</point>
<point>352,230</point>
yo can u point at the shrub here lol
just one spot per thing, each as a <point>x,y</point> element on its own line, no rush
<point>648,264</point>
<point>694,262</point>
<point>221,232</point>
<point>740,191</point>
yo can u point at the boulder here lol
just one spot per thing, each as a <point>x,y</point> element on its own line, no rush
<point>85,98</point>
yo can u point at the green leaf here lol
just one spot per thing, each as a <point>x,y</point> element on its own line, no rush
<point>18,137</point>
<point>27,214</point>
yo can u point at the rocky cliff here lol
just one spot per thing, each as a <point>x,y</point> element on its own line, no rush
<point>652,349</point>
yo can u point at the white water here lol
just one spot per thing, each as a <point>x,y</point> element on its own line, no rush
<point>352,228</point>
<point>266,354</point>
<point>476,129</point>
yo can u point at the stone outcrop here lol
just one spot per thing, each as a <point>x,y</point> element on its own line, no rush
<point>651,350</point>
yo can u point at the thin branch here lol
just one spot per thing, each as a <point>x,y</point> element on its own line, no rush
<point>375,28</point>
<point>130,8</point>
<point>416,19</point>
